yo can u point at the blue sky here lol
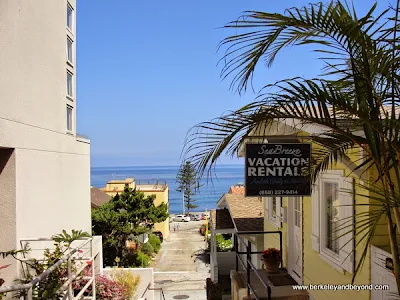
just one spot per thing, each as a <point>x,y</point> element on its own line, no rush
<point>147,72</point>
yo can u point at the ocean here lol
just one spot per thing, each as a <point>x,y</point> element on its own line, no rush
<point>207,197</point>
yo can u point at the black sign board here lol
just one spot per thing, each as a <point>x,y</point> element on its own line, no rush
<point>278,169</point>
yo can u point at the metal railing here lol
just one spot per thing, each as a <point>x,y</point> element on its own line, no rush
<point>248,265</point>
<point>148,288</point>
<point>154,182</point>
<point>67,288</point>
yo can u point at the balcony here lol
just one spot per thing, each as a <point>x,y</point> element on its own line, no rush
<point>253,283</point>
<point>151,185</point>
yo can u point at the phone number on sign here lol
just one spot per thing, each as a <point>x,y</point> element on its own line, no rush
<point>278,192</point>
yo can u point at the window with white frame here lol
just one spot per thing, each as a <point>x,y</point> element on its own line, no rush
<point>332,219</point>
<point>69,118</point>
<point>70,12</point>
<point>69,50</point>
<point>273,210</point>
<point>69,84</point>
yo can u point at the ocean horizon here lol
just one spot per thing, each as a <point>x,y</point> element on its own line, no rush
<point>210,192</point>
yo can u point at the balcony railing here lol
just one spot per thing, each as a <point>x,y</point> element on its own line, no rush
<point>154,182</point>
<point>87,250</point>
<point>248,265</point>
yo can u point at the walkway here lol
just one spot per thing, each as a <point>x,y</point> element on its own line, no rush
<point>181,271</point>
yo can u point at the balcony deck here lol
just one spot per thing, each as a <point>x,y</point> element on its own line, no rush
<point>281,288</point>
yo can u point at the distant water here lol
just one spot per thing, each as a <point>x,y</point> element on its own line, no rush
<point>225,176</point>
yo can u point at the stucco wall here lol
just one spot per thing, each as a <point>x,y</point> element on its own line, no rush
<point>8,226</point>
<point>33,62</point>
<point>52,168</point>
<point>53,193</point>
<point>161,197</point>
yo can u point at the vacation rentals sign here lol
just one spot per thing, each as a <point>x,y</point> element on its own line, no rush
<point>278,169</point>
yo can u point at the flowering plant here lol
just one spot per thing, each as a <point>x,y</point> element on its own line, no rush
<point>106,288</point>
<point>271,254</point>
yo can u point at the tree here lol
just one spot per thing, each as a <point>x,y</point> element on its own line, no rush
<point>356,99</point>
<point>188,184</point>
<point>125,216</point>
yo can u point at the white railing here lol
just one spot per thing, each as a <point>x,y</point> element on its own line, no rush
<point>88,250</point>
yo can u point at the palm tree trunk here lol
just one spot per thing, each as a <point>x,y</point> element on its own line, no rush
<point>394,249</point>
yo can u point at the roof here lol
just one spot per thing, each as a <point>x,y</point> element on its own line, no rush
<point>247,212</point>
<point>127,180</point>
<point>237,190</point>
<point>98,197</point>
<point>221,219</point>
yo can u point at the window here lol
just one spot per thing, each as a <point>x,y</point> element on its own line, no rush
<point>69,118</point>
<point>70,12</point>
<point>332,215</point>
<point>69,50</point>
<point>69,84</point>
<point>273,210</point>
<point>332,219</point>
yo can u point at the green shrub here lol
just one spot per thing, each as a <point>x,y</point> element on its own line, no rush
<point>142,259</point>
<point>127,279</point>
<point>223,244</point>
<point>147,248</point>
<point>155,242</point>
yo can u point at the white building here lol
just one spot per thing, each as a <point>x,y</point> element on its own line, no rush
<point>44,164</point>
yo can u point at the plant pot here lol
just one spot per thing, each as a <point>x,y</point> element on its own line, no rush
<point>131,245</point>
<point>271,266</point>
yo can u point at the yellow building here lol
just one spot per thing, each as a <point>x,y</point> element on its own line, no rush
<point>158,188</point>
<point>313,252</point>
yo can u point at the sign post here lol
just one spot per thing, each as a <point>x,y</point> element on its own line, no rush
<point>278,169</point>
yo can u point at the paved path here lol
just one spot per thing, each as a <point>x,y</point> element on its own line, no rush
<point>181,271</point>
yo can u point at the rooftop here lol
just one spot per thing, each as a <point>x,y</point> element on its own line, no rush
<point>98,197</point>
<point>247,212</point>
<point>237,190</point>
<point>221,219</point>
<point>127,180</point>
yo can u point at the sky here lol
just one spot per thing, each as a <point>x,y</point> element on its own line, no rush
<point>147,72</point>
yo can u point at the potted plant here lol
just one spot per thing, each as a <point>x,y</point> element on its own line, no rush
<point>131,244</point>
<point>271,258</point>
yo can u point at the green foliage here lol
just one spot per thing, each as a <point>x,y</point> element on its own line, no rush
<point>49,287</point>
<point>123,218</point>
<point>128,280</point>
<point>142,259</point>
<point>188,183</point>
<point>223,244</point>
<point>147,248</point>
<point>155,242</point>
<point>67,239</point>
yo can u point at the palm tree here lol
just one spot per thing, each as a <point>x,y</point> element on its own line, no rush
<point>356,98</point>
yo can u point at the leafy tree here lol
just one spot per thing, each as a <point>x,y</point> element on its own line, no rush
<point>122,218</point>
<point>356,99</point>
<point>188,184</point>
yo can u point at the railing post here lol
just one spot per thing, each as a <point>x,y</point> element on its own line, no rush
<point>70,291</point>
<point>29,295</point>
<point>93,271</point>
<point>235,239</point>
<point>248,266</point>
<point>280,247</point>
